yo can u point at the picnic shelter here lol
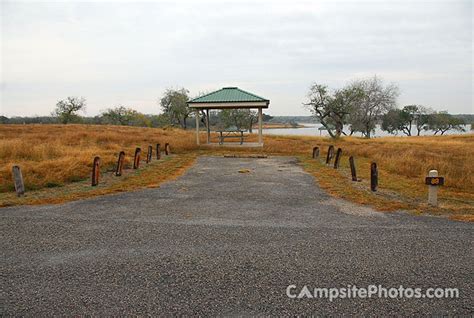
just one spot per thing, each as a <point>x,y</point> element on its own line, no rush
<point>229,98</point>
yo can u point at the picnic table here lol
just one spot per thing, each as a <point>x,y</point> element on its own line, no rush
<point>227,133</point>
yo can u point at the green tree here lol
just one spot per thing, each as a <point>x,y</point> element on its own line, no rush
<point>66,110</point>
<point>161,120</point>
<point>404,119</point>
<point>442,122</point>
<point>392,121</point>
<point>119,115</point>
<point>407,117</point>
<point>174,105</point>
<point>421,116</point>
<point>238,118</point>
<point>266,118</point>
<point>333,109</point>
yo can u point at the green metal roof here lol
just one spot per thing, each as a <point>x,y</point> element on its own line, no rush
<point>229,95</point>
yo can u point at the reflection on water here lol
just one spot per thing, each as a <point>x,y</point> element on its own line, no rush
<point>313,130</point>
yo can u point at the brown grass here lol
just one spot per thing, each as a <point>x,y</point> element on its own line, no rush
<point>60,156</point>
<point>54,155</point>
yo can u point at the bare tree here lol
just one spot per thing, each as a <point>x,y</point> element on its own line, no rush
<point>377,100</point>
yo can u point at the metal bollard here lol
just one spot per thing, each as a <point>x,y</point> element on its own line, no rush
<point>136,159</point>
<point>18,181</point>
<point>119,168</point>
<point>338,157</point>
<point>315,152</point>
<point>158,152</point>
<point>330,154</point>
<point>149,154</point>
<point>95,171</point>
<point>353,168</point>
<point>374,177</point>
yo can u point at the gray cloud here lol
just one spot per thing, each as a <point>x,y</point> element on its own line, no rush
<point>128,53</point>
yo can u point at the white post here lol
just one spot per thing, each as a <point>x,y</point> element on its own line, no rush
<point>207,125</point>
<point>433,190</point>
<point>197,126</point>
<point>260,133</point>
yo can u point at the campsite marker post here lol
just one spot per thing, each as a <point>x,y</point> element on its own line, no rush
<point>433,181</point>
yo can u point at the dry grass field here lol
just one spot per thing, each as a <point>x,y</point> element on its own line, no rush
<point>56,162</point>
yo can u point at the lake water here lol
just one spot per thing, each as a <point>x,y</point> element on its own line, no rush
<point>311,129</point>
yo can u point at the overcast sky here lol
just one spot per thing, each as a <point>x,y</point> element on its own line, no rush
<point>127,53</point>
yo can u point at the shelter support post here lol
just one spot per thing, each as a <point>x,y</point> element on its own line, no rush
<point>260,133</point>
<point>207,125</point>
<point>197,126</point>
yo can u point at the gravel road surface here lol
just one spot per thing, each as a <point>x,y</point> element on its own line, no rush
<point>222,242</point>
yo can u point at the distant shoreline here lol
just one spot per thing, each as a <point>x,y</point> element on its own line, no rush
<point>280,126</point>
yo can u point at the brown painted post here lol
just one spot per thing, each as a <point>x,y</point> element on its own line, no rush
<point>136,159</point>
<point>353,168</point>
<point>315,152</point>
<point>330,154</point>
<point>119,168</point>
<point>149,154</point>
<point>338,157</point>
<point>18,181</point>
<point>158,152</point>
<point>95,171</point>
<point>374,177</point>
<point>167,149</point>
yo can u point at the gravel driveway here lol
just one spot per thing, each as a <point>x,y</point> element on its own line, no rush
<point>222,242</point>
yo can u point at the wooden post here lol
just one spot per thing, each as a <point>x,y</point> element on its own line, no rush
<point>158,152</point>
<point>167,149</point>
<point>338,157</point>
<point>136,159</point>
<point>18,181</point>
<point>315,152</point>
<point>208,139</point>
<point>374,177</point>
<point>433,190</point>
<point>353,168</point>
<point>95,171</point>
<point>197,126</point>
<point>149,154</point>
<point>330,154</point>
<point>260,126</point>
<point>118,170</point>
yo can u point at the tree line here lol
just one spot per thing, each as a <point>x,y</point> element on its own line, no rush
<point>362,104</point>
<point>173,104</point>
<point>355,108</point>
